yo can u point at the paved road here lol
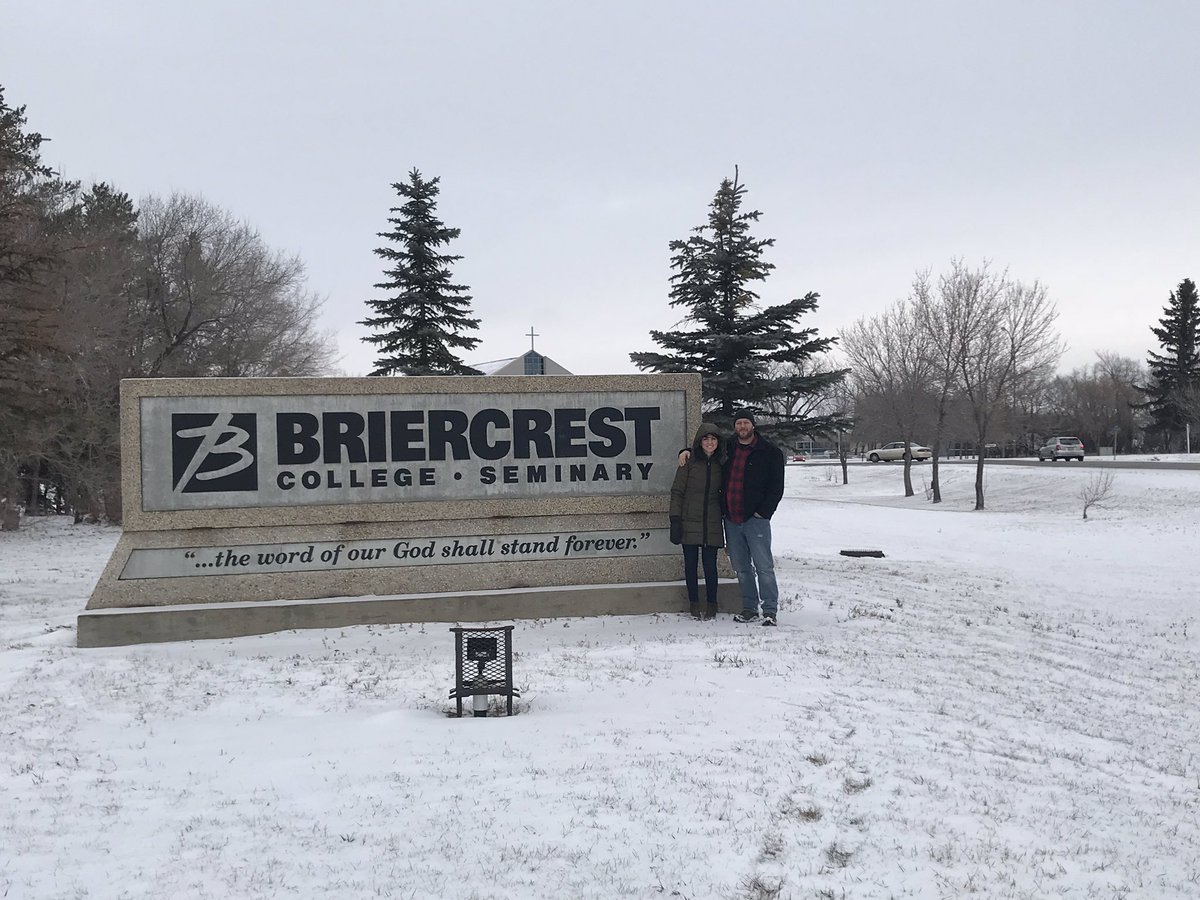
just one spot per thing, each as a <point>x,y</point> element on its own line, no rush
<point>1106,462</point>
<point>1099,462</point>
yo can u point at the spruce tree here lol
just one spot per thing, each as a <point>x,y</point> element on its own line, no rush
<point>1175,373</point>
<point>749,356</point>
<point>25,186</point>
<point>30,321</point>
<point>424,317</point>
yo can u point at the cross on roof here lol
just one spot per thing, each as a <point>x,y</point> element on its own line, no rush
<point>532,334</point>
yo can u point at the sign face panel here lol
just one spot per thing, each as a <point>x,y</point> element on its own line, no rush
<point>390,553</point>
<point>221,452</point>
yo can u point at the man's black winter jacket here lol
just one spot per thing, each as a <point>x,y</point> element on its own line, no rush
<point>764,477</point>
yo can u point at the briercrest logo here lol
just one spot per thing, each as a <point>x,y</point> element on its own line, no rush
<point>214,452</point>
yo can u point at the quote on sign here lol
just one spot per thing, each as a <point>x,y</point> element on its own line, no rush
<point>259,559</point>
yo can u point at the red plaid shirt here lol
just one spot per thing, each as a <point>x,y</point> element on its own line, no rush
<point>735,485</point>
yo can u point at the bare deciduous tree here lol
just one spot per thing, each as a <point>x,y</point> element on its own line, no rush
<point>1101,403</point>
<point>938,313</point>
<point>892,362</point>
<point>842,407</point>
<point>89,295</point>
<point>218,301</point>
<point>792,402</point>
<point>1006,335</point>
<point>1097,490</point>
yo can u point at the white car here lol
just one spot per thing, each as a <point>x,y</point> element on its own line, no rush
<point>1064,448</point>
<point>895,450</point>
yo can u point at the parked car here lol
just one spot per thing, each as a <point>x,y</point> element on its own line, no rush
<point>895,450</point>
<point>797,458</point>
<point>1057,448</point>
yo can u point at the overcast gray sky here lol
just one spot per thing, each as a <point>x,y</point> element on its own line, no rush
<point>574,140</point>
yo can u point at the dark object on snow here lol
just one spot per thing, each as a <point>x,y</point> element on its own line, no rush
<point>10,516</point>
<point>490,649</point>
<point>876,553</point>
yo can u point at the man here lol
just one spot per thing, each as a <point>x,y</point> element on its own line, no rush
<point>753,488</point>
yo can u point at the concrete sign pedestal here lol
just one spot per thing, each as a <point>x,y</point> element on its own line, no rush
<point>144,625</point>
<point>250,503</point>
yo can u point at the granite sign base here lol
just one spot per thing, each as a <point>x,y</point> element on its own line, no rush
<point>117,627</point>
<point>255,505</point>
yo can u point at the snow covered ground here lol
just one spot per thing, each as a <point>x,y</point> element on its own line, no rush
<point>1004,706</point>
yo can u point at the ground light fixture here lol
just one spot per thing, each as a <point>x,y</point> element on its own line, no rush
<point>483,667</point>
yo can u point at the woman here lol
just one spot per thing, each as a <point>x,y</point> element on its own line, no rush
<point>696,516</point>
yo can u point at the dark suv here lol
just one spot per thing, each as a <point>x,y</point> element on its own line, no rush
<point>1057,448</point>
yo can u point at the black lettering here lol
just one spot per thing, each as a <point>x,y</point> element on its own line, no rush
<point>451,434</point>
<point>624,472</point>
<point>402,477</point>
<point>296,438</point>
<point>532,426</point>
<point>376,437</point>
<point>448,426</point>
<point>510,475</point>
<point>286,480</point>
<point>612,438</point>
<point>405,435</point>
<point>578,472</point>
<point>480,445</point>
<point>427,476</point>
<point>642,416</point>
<point>568,429</point>
<point>343,429</point>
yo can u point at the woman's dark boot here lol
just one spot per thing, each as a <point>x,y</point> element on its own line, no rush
<point>710,611</point>
<point>695,610</point>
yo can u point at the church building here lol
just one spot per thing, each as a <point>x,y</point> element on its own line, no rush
<point>529,363</point>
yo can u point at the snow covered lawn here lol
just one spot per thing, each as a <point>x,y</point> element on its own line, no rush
<point>1004,706</point>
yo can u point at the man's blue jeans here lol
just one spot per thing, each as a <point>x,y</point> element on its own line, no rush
<point>749,546</point>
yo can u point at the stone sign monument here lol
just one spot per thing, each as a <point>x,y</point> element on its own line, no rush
<point>259,504</point>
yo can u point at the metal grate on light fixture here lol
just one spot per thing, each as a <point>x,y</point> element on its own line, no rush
<point>483,667</point>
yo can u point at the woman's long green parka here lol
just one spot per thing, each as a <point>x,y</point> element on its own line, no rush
<point>696,492</point>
